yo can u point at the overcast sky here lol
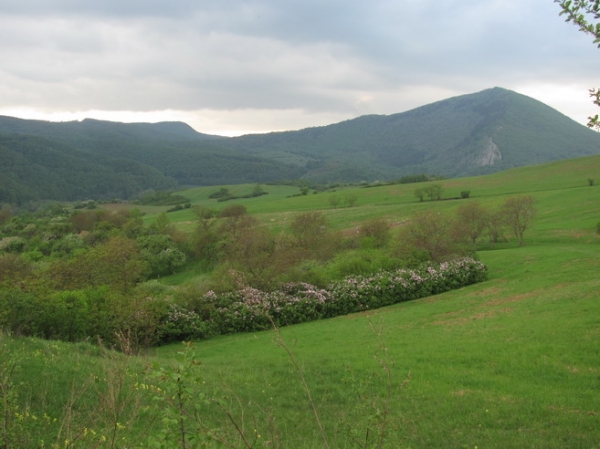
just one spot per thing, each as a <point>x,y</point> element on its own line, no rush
<point>233,67</point>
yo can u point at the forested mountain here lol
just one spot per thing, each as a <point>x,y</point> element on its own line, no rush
<point>479,133</point>
<point>98,159</point>
<point>473,134</point>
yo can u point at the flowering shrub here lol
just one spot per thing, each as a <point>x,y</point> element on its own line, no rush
<point>250,309</point>
<point>182,324</point>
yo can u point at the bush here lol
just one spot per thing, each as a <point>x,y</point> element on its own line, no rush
<point>249,309</point>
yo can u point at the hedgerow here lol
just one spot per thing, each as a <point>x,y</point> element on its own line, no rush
<point>250,309</point>
<point>145,318</point>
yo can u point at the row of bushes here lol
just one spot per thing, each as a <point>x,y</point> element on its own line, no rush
<point>143,318</point>
<point>250,309</point>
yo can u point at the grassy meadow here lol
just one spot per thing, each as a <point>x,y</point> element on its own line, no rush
<point>513,362</point>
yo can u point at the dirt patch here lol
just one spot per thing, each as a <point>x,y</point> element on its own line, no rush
<point>461,393</point>
<point>468,319</point>
<point>510,299</point>
<point>487,292</point>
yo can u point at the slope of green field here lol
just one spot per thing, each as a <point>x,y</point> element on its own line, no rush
<point>512,362</point>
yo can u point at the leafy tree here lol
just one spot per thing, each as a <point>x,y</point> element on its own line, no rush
<point>134,225</point>
<point>434,191</point>
<point>334,201</point>
<point>223,192</point>
<point>586,15</point>
<point>420,194</point>
<point>206,245</point>
<point>518,212</point>
<point>350,200</point>
<point>162,225</point>
<point>5,214</point>
<point>206,216</point>
<point>258,191</point>
<point>235,218</point>
<point>13,269</point>
<point>160,254</point>
<point>409,179</point>
<point>235,210</point>
<point>116,263</point>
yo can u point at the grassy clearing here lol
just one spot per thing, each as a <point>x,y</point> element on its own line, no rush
<point>508,363</point>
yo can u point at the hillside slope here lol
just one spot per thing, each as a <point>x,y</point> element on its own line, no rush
<point>97,159</point>
<point>473,134</point>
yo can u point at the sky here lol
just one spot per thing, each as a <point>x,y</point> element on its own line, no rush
<point>232,67</point>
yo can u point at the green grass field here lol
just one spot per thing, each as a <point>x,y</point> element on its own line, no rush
<point>512,362</point>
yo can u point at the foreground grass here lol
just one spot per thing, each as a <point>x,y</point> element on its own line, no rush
<point>508,363</point>
<point>512,362</point>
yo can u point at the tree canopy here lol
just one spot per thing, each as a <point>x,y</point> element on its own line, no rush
<point>586,15</point>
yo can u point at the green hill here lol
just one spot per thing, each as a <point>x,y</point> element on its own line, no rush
<point>480,133</point>
<point>96,159</point>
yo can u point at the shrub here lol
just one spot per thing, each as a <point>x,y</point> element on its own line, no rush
<point>378,230</point>
<point>250,309</point>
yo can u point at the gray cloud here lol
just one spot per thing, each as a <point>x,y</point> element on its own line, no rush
<point>330,59</point>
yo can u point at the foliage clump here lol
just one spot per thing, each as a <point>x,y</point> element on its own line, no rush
<point>250,309</point>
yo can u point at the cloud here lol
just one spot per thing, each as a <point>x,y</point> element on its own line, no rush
<point>304,60</point>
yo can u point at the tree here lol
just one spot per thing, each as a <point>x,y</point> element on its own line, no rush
<point>420,194</point>
<point>253,255</point>
<point>235,218</point>
<point>160,254</point>
<point>434,191</point>
<point>586,15</point>
<point>13,269</point>
<point>116,263</point>
<point>377,230</point>
<point>206,216</point>
<point>334,201</point>
<point>518,212</point>
<point>309,229</point>
<point>429,232</point>
<point>312,234</point>
<point>258,191</point>
<point>495,226</point>
<point>5,214</point>
<point>162,225</point>
<point>471,221</point>
<point>350,200</point>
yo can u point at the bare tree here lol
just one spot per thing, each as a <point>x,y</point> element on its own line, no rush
<point>518,212</point>
<point>430,232</point>
<point>378,230</point>
<point>471,221</point>
<point>496,226</point>
<point>312,234</point>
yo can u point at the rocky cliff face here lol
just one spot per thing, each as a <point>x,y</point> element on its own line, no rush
<point>490,154</point>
